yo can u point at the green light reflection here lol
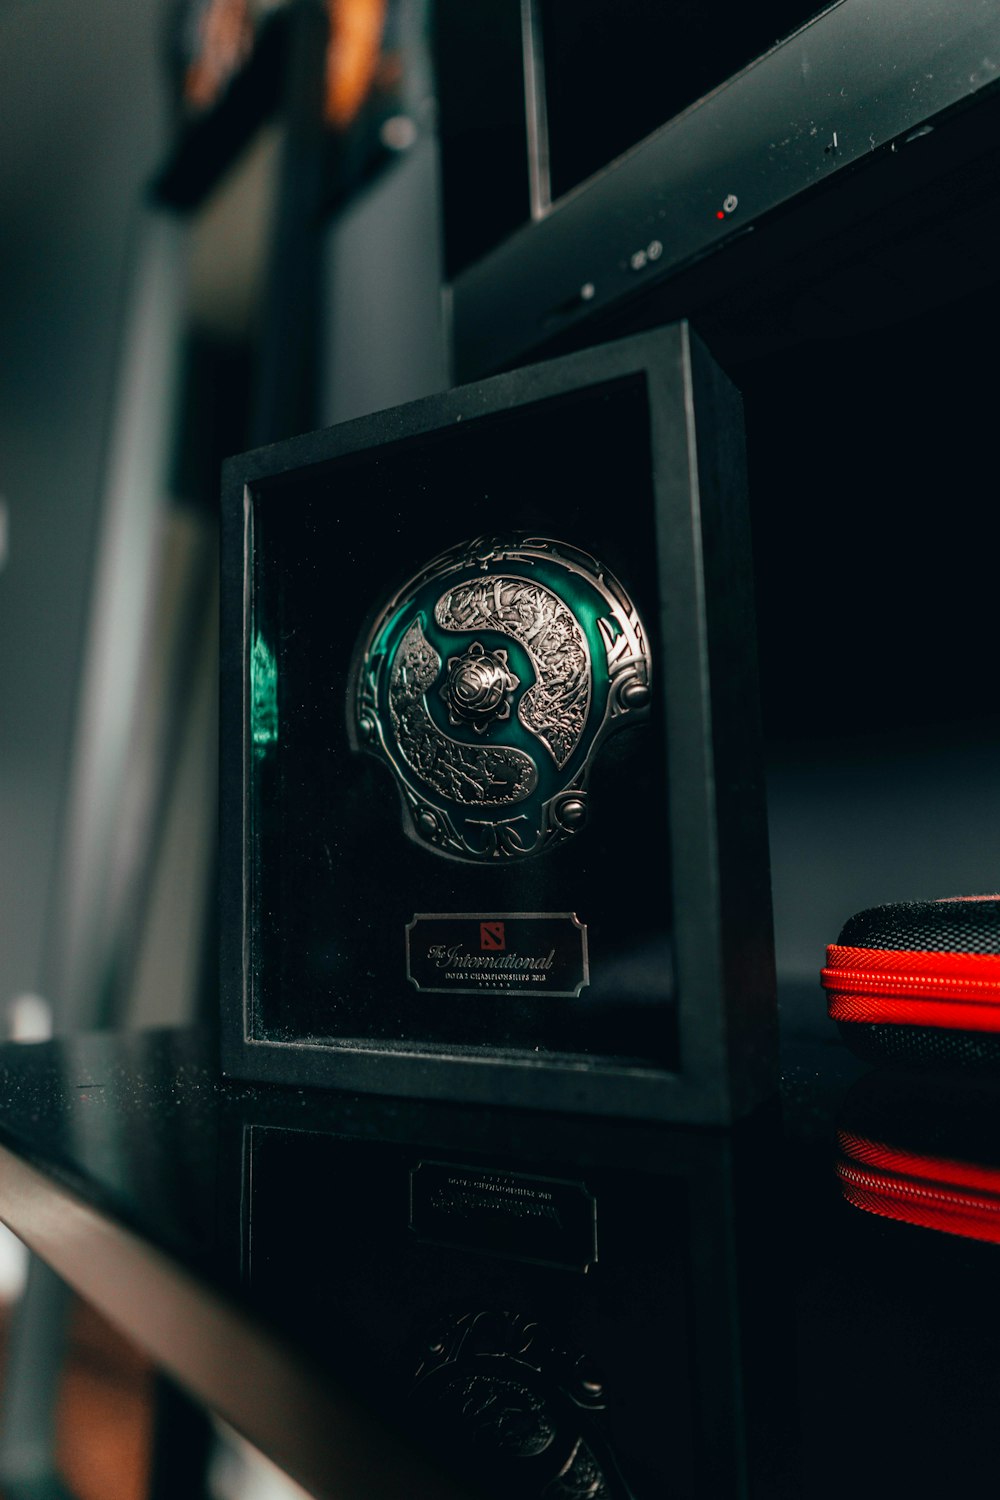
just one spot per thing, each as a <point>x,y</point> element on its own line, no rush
<point>263,696</point>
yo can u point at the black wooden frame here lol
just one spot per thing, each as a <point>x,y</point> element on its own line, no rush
<point>718,841</point>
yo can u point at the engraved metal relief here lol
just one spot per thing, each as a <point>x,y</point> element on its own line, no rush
<point>468,774</point>
<point>488,684</point>
<point>478,688</point>
<point>555,706</point>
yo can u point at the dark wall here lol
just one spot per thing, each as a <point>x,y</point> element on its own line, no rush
<point>873,498</point>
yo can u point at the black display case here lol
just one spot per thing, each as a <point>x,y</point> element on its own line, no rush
<point>444,870</point>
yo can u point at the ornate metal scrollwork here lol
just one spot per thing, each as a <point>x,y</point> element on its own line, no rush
<point>488,684</point>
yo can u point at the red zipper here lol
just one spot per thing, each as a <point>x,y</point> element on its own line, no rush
<point>918,1189</point>
<point>899,1162</point>
<point>903,986</point>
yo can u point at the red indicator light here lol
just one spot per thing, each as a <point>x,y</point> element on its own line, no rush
<point>720,214</point>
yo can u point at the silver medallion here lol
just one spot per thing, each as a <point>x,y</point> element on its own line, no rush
<point>488,684</point>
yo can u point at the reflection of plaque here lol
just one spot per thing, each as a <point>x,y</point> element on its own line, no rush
<point>539,1219</point>
<point>489,683</point>
<point>492,814</point>
<point>522,1413</point>
<point>547,1304</point>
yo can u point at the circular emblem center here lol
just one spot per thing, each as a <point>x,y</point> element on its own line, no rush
<point>478,687</point>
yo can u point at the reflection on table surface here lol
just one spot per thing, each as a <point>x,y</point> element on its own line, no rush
<point>553,1306</point>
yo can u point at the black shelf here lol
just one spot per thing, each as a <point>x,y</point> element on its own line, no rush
<point>850,88</point>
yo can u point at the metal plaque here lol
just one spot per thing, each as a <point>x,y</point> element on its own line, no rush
<point>527,953</point>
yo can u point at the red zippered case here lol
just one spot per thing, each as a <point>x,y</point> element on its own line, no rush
<point>919,980</point>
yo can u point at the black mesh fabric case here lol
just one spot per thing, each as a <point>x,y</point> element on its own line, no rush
<point>919,981</point>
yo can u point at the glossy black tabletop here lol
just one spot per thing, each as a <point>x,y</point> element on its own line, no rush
<point>543,1305</point>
